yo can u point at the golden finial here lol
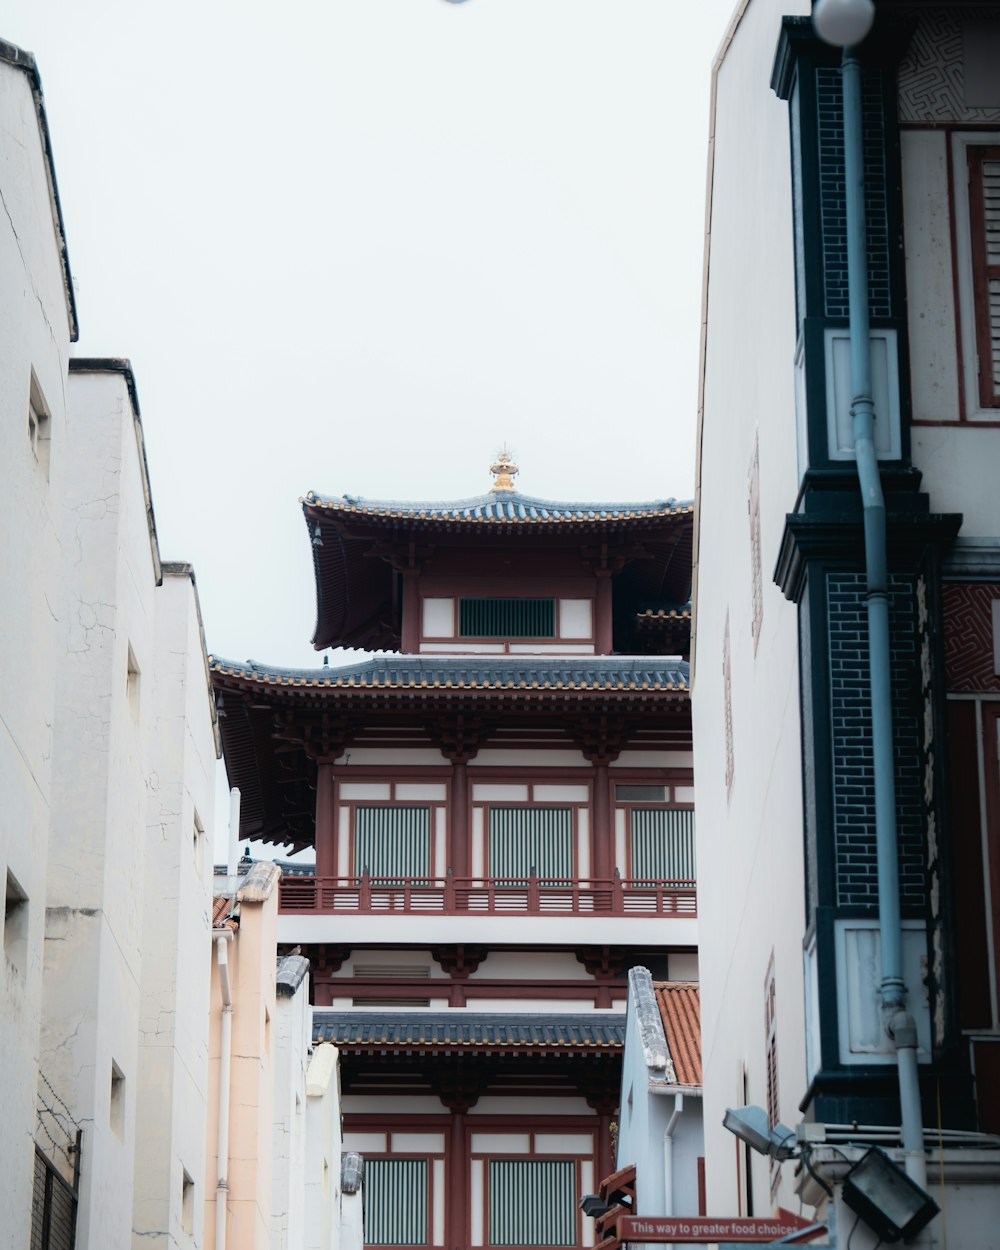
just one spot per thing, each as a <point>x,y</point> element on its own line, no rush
<point>504,471</point>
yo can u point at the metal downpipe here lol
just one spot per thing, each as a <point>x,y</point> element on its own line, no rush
<point>899,1024</point>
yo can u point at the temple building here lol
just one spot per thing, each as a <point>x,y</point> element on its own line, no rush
<point>501,810</point>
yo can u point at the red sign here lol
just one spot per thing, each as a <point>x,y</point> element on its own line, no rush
<point>703,1231</point>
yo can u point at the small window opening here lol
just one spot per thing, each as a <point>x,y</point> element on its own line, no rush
<point>187,1203</point>
<point>15,924</point>
<point>117,1113</point>
<point>132,682</point>
<point>198,843</point>
<point>39,426</point>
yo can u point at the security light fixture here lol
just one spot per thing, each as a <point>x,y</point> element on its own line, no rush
<point>843,22</point>
<point>594,1206</point>
<point>750,1125</point>
<point>886,1199</point>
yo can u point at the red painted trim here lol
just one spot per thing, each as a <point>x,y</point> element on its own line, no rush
<point>991,729</point>
<point>326,821</point>
<point>378,1121</point>
<point>603,622</point>
<point>702,1192</point>
<point>479,896</point>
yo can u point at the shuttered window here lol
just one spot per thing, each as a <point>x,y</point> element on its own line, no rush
<point>392,843</point>
<point>507,618</point>
<point>662,844</point>
<point>984,211</point>
<point>396,1202</point>
<point>532,1202</point>
<point>522,839</point>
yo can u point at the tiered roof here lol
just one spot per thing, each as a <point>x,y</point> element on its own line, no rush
<point>359,546</point>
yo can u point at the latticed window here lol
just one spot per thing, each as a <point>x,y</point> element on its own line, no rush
<point>662,844</point>
<point>984,214</point>
<point>523,840</point>
<point>532,1202</point>
<point>396,1202</point>
<point>507,618</point>
<point>392,843</point>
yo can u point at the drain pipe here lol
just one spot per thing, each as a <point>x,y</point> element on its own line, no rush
<point>899,1023</point>
<point>668,1155</point>
<point>222,940</point>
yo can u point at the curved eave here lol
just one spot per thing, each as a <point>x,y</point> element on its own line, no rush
<point>356,517</point>
<point>291,687</point>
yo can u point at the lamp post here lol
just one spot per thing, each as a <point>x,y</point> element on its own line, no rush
<point>845,23</point>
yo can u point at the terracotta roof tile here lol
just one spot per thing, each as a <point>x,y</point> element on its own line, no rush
<point>221,907</point>
<point>680,1011</point>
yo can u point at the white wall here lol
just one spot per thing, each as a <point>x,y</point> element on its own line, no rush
<point>750,858</point>
<point>323,1200</point>
<point>173,1036</point>
<point>292,1033</point>
<point>100,761</point>
<point>35,334</point>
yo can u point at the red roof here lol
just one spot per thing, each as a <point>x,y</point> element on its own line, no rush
<point>221,907</point>
<point>680,1011</point>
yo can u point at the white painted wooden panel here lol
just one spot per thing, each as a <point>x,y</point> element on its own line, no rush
<point>438,618</point>
<point>587,1186</point>
<point>621,861</point>
<point>576,618</point>
<point>563,1144</point>
<point>501,1143</point>
<point>407,790</point>
<point>560,794</point>
<point>478,857</point>
<point>364,790</point>
<point>374,1143</point>
<point>499,794</point>
<point>344,842</point>
<point>437,1231</point>
<point>476,1199</point>
<point>683,794</point>
<point>417,1143</point>
<point>583,841</point>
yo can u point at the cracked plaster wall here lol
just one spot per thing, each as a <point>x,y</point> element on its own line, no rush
<point>292,1038</point>
<point>176,943</point>
<point>101,766</point>
<point>34,331</point>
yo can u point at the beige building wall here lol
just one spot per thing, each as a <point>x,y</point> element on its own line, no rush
<point>251,956</point>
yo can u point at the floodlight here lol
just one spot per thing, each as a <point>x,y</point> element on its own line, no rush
<point>751,1126</point>
<point>593,1205</point>
<point>843,22</point>
<point>887,1200</point>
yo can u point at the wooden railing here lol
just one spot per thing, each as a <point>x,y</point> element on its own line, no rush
<point>459,896</point>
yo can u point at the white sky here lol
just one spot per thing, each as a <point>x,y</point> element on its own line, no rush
<point>355,246</point>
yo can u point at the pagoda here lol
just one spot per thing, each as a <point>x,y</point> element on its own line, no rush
<point>501,809</point>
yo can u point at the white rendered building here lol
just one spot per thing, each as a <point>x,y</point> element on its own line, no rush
<point>789,954</point>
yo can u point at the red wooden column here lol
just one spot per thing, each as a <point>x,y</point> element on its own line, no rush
<point>604,1164</point>
<point>458,818</point>
<point>456,1194</point>
<point>326,822</point>
<point>410,640</point>
<point>603,835</point>
<point>602,614</point>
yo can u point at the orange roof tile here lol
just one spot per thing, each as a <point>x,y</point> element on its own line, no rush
<point>221,907</point>
<point>680,1011</point>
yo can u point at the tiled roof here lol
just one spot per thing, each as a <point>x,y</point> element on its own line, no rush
<point>504,507</point>
<point>221,907</point>
<point>476,672</point>
<point>359,1031</point>
<point>680,1011</point>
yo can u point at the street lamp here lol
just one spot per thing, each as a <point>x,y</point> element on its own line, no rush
<point>751,1126</point>
<point>843,22</point>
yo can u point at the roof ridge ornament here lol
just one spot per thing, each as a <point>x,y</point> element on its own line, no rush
<point>504,471</point>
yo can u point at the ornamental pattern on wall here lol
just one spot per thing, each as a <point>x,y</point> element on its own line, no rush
<point>968,636</point>
<point>932,74</point>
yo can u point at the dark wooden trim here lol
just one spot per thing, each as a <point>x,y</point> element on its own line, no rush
<point>982,272</point>
<point>991,731</point>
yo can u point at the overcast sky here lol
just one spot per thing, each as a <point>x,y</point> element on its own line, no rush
<point>357,245</point>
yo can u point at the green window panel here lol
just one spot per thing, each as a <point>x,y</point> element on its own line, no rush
<point>392,843</point>
<point>526,838</point>
<point>396,1202</point>
<point>507,618</point>
<point>663,844</point>
<point>532,1202</point>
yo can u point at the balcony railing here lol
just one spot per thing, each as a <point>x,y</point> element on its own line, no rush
<point>460,896</point>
